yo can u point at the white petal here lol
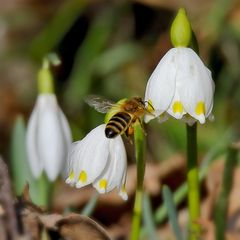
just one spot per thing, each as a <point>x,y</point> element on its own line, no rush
<point>194,83</point>
<point>209,100</point>
<point>122,190</point>
<point>66,129</point>
<point>50,137</point>
<point>72,162</point>
<point>161,85</point>
<point>67,136</point>
<point>113,174</point>
<point>149,117</point>
<point>93,155</point>
<point>176,108</point>
<point>31,144</point>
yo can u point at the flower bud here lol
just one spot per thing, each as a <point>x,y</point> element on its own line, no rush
<point>45,80</point>
<point>181,32</point>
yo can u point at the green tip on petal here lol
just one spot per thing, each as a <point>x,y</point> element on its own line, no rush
<point>53,59</point>
<point>181,31</point>
<point>45,78</point>
<point>113,110</point>
<point>45,81</point>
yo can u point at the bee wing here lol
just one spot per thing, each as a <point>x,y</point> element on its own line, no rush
<point>99,103</point>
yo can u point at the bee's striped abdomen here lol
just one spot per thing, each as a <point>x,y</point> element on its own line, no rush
<point>117,124</point>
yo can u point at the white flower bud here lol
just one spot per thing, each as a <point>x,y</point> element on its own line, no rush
<point>48,137</point>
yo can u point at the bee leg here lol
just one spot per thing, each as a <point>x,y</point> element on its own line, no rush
<point>129,133</point>
<point>141,124</point>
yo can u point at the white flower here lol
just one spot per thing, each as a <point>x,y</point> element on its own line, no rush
<point>99,161</point>
<point>180,86</point>
<point>48,137</point>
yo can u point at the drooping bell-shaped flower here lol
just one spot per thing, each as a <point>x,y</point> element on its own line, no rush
<point>48,135</point>
<point>181,85</point>
<point>99,161</point>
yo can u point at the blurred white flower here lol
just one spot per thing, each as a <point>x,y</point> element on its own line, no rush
<point>48,137</point>
<point>180,86</point>
<point>99,161</point>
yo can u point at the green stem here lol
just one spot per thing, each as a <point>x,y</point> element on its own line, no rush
<point>139,141</point>
<point>45,191</point>
<point>193,183</point>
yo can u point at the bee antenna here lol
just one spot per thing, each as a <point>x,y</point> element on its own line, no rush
<point>146,102</point>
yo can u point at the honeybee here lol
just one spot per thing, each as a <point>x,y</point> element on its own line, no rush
<point>125,113</point>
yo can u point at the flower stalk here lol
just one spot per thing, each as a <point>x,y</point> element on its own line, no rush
<point>46,189</point>
<point>139,141</point>
<point>193,183</point>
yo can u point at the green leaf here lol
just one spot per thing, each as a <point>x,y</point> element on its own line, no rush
<point>57,28</point>
<point>90,206</point>
<point>20,169</point>
<point>148,218</point>
<point>116,57</point>
<point>81,77</point>
<point>172,213</point>
<point>220,213</point>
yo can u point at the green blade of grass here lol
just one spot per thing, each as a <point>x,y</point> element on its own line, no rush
<point>81,77</point>
<point>90,206</point>
<point>222,202</point>
<point>57,28</point>
<point>171,210</point>
<point>148,218</point>
<point>116,57</point>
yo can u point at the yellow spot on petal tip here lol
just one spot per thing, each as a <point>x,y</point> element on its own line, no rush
<point>123,189</point>
<point>82,177</point>
<point>123,193</point>
<point>163,115</point>
<point>200,108</point>
<point>71,175</point>
<point>103,184</point>
<point>177,107</point>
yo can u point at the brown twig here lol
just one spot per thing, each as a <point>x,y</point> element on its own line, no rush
<point>7,202</point>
